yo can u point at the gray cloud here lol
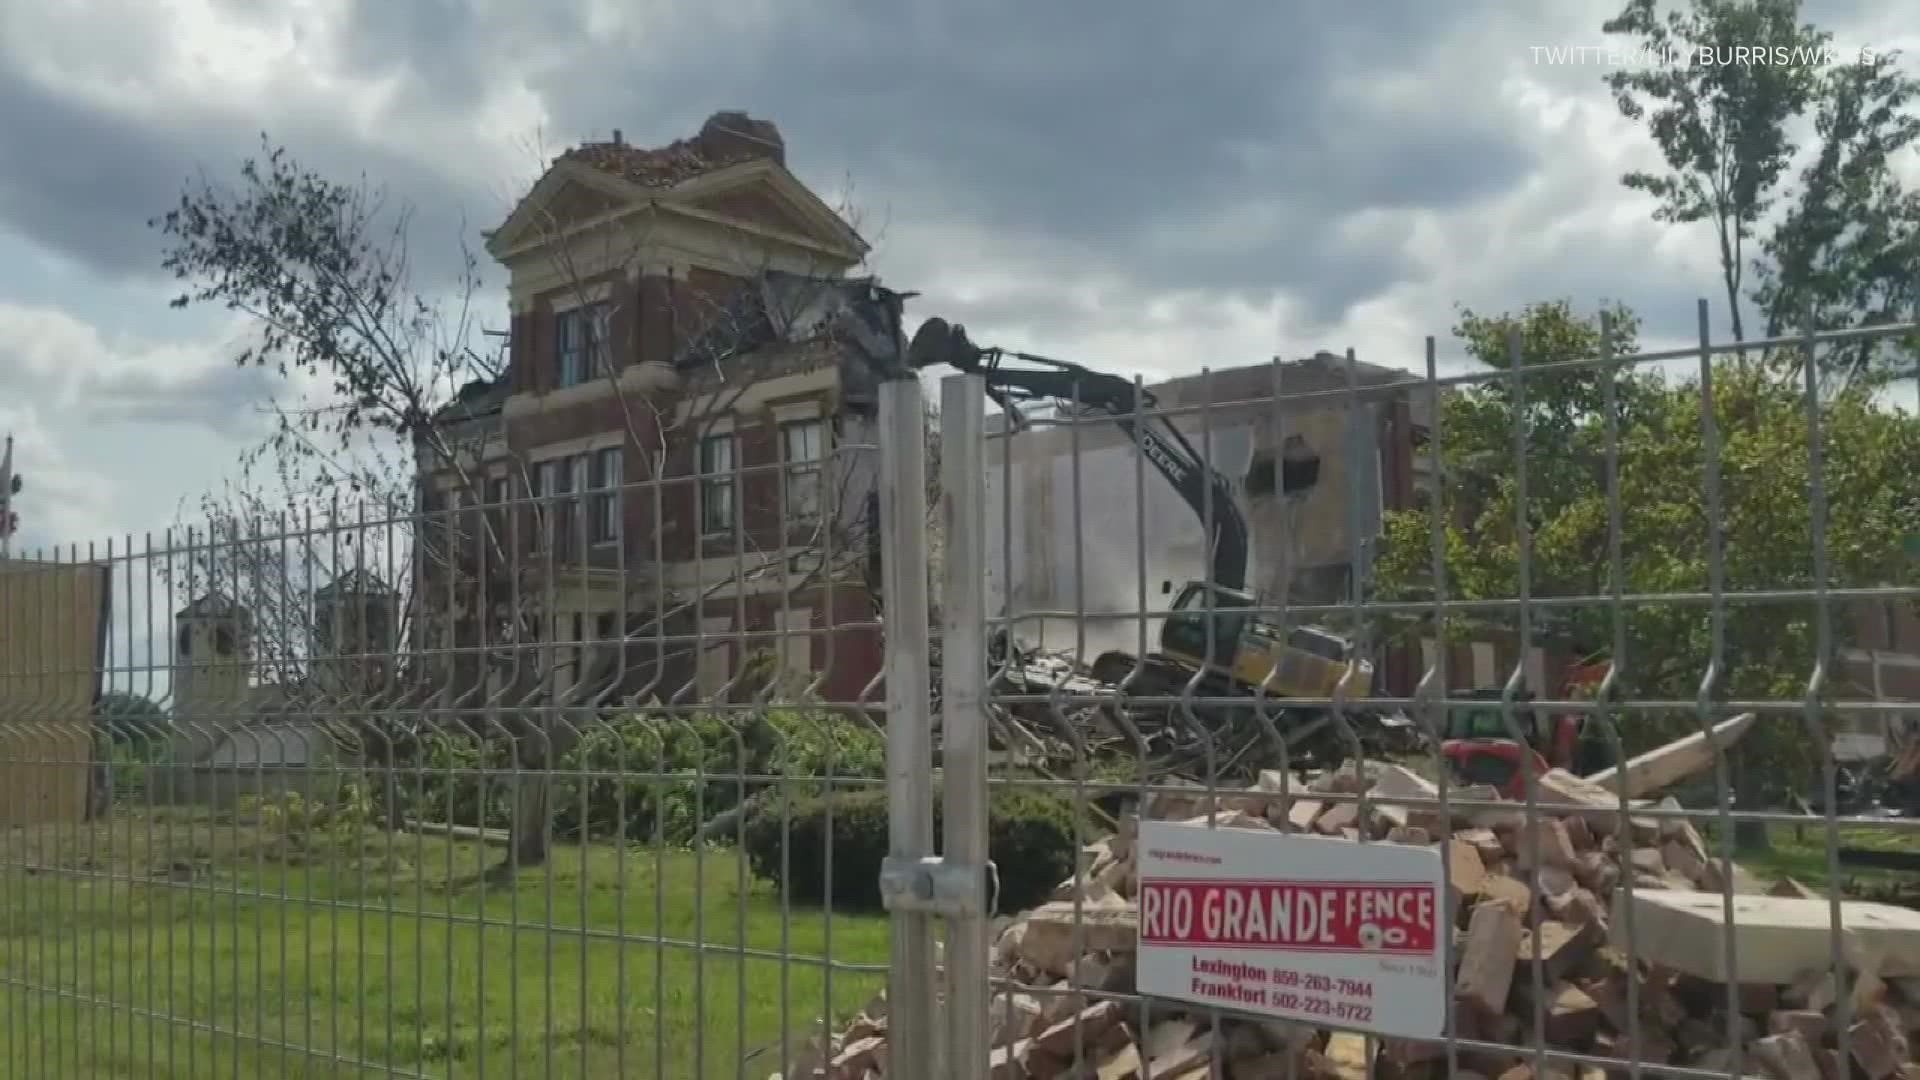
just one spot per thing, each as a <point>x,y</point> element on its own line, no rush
<point>86,378</point>
<point>1110,132</point>
<point>229,401</point>
<point>84,180</point>
<point>1134,184</point>
<point>1115,132</point>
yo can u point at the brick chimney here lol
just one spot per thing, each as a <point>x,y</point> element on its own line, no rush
<point>732,134</point>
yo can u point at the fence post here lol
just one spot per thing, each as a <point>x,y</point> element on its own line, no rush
<point>903,538</point>
<point>963,729</point>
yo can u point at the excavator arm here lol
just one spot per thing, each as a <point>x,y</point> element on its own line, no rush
<point>1203,488</point>
<point>1208,624</point>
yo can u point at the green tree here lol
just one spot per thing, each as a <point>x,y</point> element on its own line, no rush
<point>130,733</point>
<point>1667,524</point>
<point>128,715</point>
<point>1848,248</point>
<point>1722,127</point>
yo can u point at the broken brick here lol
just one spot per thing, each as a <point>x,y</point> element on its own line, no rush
<point>1487,957</point>
<point>1879,1046</point>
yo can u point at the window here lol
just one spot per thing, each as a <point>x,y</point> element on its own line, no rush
<point>1319,643</point>
<point>581,342</point>
<point>553,484</point>
<point>717,496</point>
<point>575,517</point>
<point>603,626</point>
<point>606,498</point>
<point>802,448</point>
<point>579,495</point>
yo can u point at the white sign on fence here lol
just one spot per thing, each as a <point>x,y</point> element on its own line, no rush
<point>1307,928</point>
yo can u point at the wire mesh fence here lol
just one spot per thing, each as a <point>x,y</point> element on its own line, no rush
<point>1547,715</point>
<point>527,786</point>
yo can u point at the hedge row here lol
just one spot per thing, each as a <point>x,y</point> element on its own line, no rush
<point>644,777</point>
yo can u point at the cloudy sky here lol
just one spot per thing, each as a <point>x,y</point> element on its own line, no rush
<point>1144,186</point>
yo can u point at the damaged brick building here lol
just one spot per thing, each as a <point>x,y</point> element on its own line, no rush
<point>679,451</point>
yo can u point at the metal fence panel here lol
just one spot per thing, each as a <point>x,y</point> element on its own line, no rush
<point>547,783</point>
<point>626,775</point>
<point>1646,857</point>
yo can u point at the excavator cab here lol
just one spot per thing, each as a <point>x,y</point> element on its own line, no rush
<point>1304,661</point>
<point>1203,625</point>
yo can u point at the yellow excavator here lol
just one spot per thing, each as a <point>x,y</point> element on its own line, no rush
<point>1209,629</point>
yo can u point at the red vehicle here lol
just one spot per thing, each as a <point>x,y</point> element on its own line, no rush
<point>1479,747</point>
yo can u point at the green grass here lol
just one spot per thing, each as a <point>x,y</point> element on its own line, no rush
<point>1800,853</point>
<point>165,946</point>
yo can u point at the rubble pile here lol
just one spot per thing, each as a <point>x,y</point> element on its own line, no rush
<point>1549,891</point>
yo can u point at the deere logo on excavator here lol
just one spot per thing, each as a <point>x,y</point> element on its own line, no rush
<point>1158,454</point>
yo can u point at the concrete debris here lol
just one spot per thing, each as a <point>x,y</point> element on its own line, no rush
<point>1770,939</point>
<point>1666,765</point>
<point>1540,912</point>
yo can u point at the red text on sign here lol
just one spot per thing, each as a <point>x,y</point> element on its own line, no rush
<point>1324,916</point>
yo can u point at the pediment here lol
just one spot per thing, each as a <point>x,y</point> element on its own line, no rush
<point>576,204</point>
<point>759,205</point>
<point>756,196</point>
<point>764,197</point>
<point>568,196</point>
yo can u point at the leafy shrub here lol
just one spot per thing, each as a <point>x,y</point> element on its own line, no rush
<point>310,823</point>
<point>448,789</point>
<point>689,772</point>
<point>645,774</point>
<point>1030,837</point>
<point>130,737</point>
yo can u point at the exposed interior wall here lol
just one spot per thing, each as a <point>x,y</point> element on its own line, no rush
<point>1056,553</point>
<point>1304,546</point>
<point>1048,552</point>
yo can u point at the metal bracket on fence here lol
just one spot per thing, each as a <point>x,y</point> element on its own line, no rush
<point>933,886</point>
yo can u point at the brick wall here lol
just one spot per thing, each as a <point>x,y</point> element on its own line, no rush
<point>651,319</point>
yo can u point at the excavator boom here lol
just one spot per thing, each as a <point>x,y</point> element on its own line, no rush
<point>1203,488</point>
<point>1210,632</point>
